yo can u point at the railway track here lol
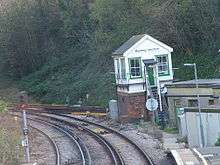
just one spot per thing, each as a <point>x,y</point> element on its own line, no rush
<point>68,148</point>
<point>100,150</point>
<point>125,150</point>
<point>54,145</point>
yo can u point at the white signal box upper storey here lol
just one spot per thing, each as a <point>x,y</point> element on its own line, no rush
<point>129,67</point>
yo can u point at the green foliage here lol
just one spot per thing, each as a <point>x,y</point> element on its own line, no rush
<point>63,48</point>
<point>207,65</point>
<point>217,143</point>
<point>3,107</point>
<point>11,151</point>
<point>26,36</point>
<point>171,130</point>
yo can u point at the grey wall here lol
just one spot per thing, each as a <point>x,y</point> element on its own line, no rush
<point>211,128</point>
<point>204,101</point>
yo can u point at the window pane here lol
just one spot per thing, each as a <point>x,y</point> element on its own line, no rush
<point>133,71</point>
<point>135,67</point>
<point>132,63</point>
<point>137,64</point>
<point>164,59</point>
<point>165,68</point>
<point>138,72</point>
<point>163,64</point>
<point>159,59</point>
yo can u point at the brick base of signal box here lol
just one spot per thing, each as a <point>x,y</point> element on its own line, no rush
<point>131,106</point>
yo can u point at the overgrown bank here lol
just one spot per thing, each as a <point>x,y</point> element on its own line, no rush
<point>61,50</point>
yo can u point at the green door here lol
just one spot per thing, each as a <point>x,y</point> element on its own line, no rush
<point>150,73</point>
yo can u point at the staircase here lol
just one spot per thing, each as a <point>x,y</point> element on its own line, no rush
<point>161,117</point>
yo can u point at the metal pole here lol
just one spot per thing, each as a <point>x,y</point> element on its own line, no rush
<point>159,95</point>
<point>25,132</point>
<point>148,89</point>
<point>146,114</point>
<point>158,89</point>
<point>199,107</point>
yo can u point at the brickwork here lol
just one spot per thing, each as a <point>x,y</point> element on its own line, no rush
<point>131,106</point>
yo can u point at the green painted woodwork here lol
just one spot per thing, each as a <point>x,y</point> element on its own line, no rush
<point>135,77</point>
<point>164,74</point>
<point>150,73</point>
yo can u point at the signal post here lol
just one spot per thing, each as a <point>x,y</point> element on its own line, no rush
<point>23,105</point>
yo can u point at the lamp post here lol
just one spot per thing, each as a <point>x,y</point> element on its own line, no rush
<point>202,143</point>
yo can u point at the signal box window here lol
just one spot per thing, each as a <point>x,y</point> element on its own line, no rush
<point>135,67</point>
<point>163,67</point>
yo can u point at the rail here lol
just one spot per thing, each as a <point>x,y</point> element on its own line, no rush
<point>147,157</point>
<point>114,153</point>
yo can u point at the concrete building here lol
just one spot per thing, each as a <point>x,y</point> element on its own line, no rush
<point>183,94</point>
<point>131,73</point>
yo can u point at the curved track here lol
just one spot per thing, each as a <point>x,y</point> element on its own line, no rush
<point>53,143</point>
<point>101,151</point>
<point>68,148</point>
<point>129,151</point>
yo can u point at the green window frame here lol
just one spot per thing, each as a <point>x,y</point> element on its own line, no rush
<point>163,65</point>
<point>135,68</point>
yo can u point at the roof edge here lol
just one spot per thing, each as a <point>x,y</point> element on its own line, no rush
<point>160,43</point>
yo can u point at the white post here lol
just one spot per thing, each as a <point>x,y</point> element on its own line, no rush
<point>25,132</point>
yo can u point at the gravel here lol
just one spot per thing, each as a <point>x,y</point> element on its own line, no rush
<point>40,148</point>
<point>144,134</point>
<point>68,149</point>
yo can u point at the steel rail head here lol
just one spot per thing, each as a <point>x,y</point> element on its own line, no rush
<point>69,135</point>
<point>147,157</point>
<point>65,132</point>
<point>57,152</point>
<point>114,153</point>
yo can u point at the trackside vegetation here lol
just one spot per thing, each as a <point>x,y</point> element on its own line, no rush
<point>59,49</point>
<point>10,138</point>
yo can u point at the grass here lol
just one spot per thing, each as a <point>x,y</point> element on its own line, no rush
<point>10,136</point>
<point>171,130</point>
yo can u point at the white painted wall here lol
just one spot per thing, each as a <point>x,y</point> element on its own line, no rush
<point>136,87</point>
<point>146,49</point>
